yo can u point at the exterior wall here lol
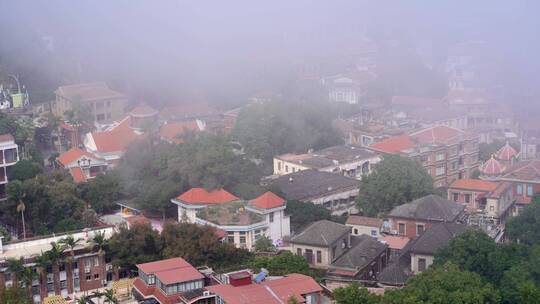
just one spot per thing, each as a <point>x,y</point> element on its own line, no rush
<point>111,109</point>
<point>282,167</point>
<point>366,230</point>
<point>416,257</point>
<point>6,163</point>
<point>410,226</point>
<point>460,196</point>
<point>280,226</point>
<point>325,254</point>
<point>355,169</point>
<point>339,203</point>
<point>91,272</point>
<point>524,196</point>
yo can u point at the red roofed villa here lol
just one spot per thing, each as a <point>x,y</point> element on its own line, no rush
<point>243,221</point>
<point>81,164</point>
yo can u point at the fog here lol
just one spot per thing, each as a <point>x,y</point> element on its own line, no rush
<point>225,51</point>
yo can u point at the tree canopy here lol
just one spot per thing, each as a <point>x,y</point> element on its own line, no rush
<point>525,228</point>
<point>354,294</point>
<point>394,181</point>
<point>24,169</point>
<point>281,264</point>
<point>303,214</point>
<point>102,191</point>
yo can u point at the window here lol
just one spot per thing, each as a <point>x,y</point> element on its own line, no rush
<point>419,229</point>
<point>63,284</point>
<point>96,261</point>
<point>96,276</point>
<point>374,233</point>
<point>309,256</point>
<point>76,283</point>
<point>421,264</point>
<point>439,170</point>
<point>88,277</point>
<point>279,166</point>
<point>108,103</point>
<point>109,115</point>
<point>334,252</point>
<point>100,117</point>
<point>456,197</point>
<point>242,239</point>
<point>230,237</point>
<point>467,198</point>
<point>319,257</point>
<point>355,231</point>
<point>99,104</point>
<point>286,168</point>
<point>151,279</point>
<point>530,191</point>
<point>271,216</point>
<point>519,189</point>
<point>401,229</point>
<point>440,157</point>
<point>298,251</point>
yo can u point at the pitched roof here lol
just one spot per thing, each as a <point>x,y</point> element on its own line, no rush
<point>268,200</point>
<point>173,131</point>
<point>77,174</point>
<point>321,233</point>
<point>169,271</point>
<point>524,170</point>
<point>394,145</point>
<point>507,152</point>
<point>117,139</point>
<point>276,291</point>
<point>143,111</point>
<point>430,208</point>
<point>364,221</point>
<point>329,156</point>
<point>436,238</point>
<point>396,241</point>
<point>397,272</point>
<point>88,92</point>
<point>501,188</point>
<point>473,184</point>
<point>492,167</point>
<point>364,249</point>
<point>6,137</point>
<point>310,184</point>
<point>74,154</point>
<point>201,196</point>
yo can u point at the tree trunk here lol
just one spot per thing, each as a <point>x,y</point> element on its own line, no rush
<point>43,283</point>
<point>14,280</point>
<point>103,266</point>
<point>69,275</point>
<point>2,282</point>
<point>56,278</point>
<point>116,274</point>
<point>29,292</point>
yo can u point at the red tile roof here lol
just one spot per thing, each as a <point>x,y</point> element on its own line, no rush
<point>74,154</point>
<point>77,174</point>
<point>200,196</point>
<point>395,241</point>
<point>171,271</point>
<point>268,201</point>
<point>492,167</point>
<point>364,221</point>
<point>436,134</point>
<point>528,170</point>
<point>117,139</point>
<point>173,131</point>
<point>394,145</point>
<point>506,152</point>
<point>268,292</point>
<point>474,184</point>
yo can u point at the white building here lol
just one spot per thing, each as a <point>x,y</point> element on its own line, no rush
<point>9,156</point>
<point>243,221</point>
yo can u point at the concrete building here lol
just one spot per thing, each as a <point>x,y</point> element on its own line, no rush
<point>243,221</point>
<point>349,161</point>
<point>363,225</point>
<point>105,105</point>
<point>9,153</point>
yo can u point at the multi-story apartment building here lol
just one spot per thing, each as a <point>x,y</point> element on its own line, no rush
<point>349,161</point>
<point>105,104</point>
<point>89,270</point>
<point>243,221</point>
<point>9,156</point>
<point>446,153</point>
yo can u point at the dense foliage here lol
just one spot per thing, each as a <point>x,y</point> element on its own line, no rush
<point>394,181</point>
<point>14,295</point>
<point>303,214</point>
<point>272,128</point>
<point>281,264</point>
<point>102,192</point>
<point>525,228</point>
<point>24,169</point>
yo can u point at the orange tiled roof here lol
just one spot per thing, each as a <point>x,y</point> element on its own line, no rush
<point>268,201</point>
<point>474,184</point>
<point>396,241</point>
<point>394,145</point>
<point>6,137</point>
<point>77,174</point>
<point>492,167</point>
<point>525,170</point>
<point>200,196</point>
<point>506,152</point>
<point>437,134</point>
<point>117,139</point>
<point>173,131</point>
<point>73,154</point>
<point>364,221</point>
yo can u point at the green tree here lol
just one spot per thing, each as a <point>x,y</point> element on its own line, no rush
<point>27,277</point>
<point>282,264</point>
<point>444,284</point>
<point>14,295</point>
<point>519,286</point>
<point>303,214</point>
<point>139,244</point>
<point>355,294</point>
<point>24,169</point>
<point>102,191</point>
<point>16,268</point>
<point>70,243</point>
<point>394,181</point>
<point>525,228</point>
<point>264,244</point>
<point>56,256</point>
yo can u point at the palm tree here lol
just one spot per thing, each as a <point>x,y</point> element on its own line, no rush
<point>110,297</point>
<point>42,262</point>
<point>70,242</point>
<point>82,300</point>
<point>55,255</point>
<point>28,275</point>
<point>99,242</point>
<point>21,207</point>
<point>16,268</point>
<point>97,294</point>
